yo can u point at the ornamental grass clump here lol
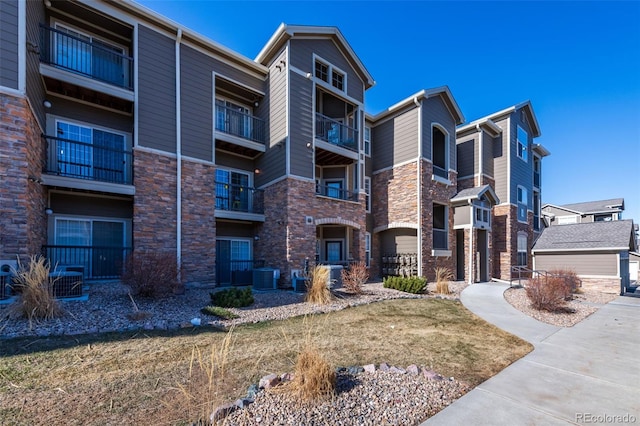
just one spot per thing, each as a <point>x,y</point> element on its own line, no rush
<point>443,276</point>
<point>318,291</point>
<point>314,378</point>
<point>355,277</point>
<point>36,301</point>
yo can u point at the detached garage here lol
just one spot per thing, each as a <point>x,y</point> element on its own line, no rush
<point>598,252</point>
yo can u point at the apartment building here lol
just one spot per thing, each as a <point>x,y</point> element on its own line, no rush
<point>123,131</point>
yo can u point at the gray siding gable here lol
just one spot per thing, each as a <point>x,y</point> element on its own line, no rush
<point>156,90</point>
<point>395,140</point>
<point>9,44</point>
<point>434,110</point>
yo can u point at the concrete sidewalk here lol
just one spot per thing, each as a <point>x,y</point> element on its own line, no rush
<point>585,374</point>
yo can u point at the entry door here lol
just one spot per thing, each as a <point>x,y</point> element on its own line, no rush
<point>483,249</point>
<point>334,251</point>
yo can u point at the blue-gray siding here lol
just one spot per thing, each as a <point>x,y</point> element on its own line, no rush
<point>156,90</point>
<point>467,148</point>
<point>9,43</point>
<point>521,171</point>
<point>301,129</point>
<point>302,51</point>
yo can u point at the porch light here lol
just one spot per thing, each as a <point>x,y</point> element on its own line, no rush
<point>47,103</point>
<point>48,211</point>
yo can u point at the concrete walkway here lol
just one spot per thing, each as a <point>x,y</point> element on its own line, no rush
<point>585,374</point>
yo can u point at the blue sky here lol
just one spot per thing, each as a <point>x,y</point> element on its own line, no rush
<point>578,63</point>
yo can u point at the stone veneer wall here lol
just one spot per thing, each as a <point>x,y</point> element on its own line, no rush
<point>22,200</point>
<point>198,252</point>
<point>505,229</point>
<point>154,207</point>
<point>286,239</point>
<point>440,193</point>
<point>394,193</point>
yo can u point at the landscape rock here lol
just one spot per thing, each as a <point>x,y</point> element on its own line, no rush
<point>397,370</point>
<point>269,381</point>
<point>222,412</point>
<point>413,370</point>
<point>384,367</point>
<point>370,368</point>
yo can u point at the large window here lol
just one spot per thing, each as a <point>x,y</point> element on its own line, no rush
<point>367,140</point>
<point>523,143</point>
<point>440,222</point>
<point>522,203</point>
<point>89,153</point>
<point>522,249</point>
<point>232,191</point>
<point>440,152</point>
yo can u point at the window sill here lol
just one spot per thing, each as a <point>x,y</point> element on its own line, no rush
<point>440,180</point>
<point>441,253</point>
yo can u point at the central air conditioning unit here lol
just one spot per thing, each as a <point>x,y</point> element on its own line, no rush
<point>265,278</point>
<point>7,269</point>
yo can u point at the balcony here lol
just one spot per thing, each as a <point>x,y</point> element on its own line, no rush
<point>240,124</point>
<point>97,262</point>
<point>88,161</point>
<point>87,57</point>
<point>336,192</point>
<point>335,133</point>
<point>239,202</point>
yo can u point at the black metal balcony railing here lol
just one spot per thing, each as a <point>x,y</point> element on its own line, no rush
<point>91,58</point>
<point>336,133</point>
<point>440,239</point>
<point>98,262</point>
<point>335,192</point>
<point>88,161</point>
<point>240,124</point>
<point>239,198</point>
<point>440,172</point>
<point>236,272</point>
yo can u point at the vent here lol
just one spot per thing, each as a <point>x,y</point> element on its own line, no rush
<point>308,220</point>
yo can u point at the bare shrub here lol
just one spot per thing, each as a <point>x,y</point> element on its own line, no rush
<point>355,277</point>
<point>548,293</point>
<point>36,301</point>
<point>151,274</point>
<point>572,282</point>
<point>443,276</point>
<point>317,289</point>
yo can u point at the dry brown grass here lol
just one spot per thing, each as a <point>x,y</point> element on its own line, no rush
<point>317,290</point>
<point>134,377</point>
<point>314,378</point>
<point>36,301</point>
<point>443,276</point>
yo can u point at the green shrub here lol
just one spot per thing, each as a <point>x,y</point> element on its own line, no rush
<point>232,298</point>
<point>217,311</point>
<point>415,285</point>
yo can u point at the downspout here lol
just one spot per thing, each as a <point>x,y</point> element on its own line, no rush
<point>471,243</point>
<point>480,171</point>
<point>178,159</point>
<point>419,177</point>
<point>481,154</point>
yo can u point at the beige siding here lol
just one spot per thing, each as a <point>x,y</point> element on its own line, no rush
<point>9,43</point>
<point>461,216</point>
<point>593,264</point>
<point>156,108</point>
<point>399,241</point>
<point>302,51</point>
<point>434,110</point>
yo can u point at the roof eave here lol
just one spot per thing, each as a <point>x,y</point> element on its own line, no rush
<point>424,94</point>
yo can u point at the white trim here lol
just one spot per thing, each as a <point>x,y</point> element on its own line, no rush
<point>84,81</point>
<point>364,141</point>
<point>197,160</point>
<point>419,189</point>
<point>509,162</point>
<point>426,94</point>
<point>337,221</point>
<point>155,151</point>
<point>288,113</point>
<point>610,250</point>
<point>136,103</point>
<point>404,163</point>
<point>367,253</point>
<point>480,155</point>
<point>22,46</point>
<point>208,53</point>
<point>367,200</point>
<point>396,225</point>
<point>13,92</point>
<point>178,155</point>
<point>330,69</point>
<point>238,83</point>
<point>89,185</point>
<point>53,120</point>
<point>441,253</point>
<point>447,159</point>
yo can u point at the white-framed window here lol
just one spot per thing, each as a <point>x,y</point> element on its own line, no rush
<point>330,74</point>
<point>80,51</point>
<point>522,203</point>
<point>89,152</point>
<point>482,216</point>
<point>522,249</point>
<point>367,140</point>
<point>367,192</point>
<point>367,249</point>
<point>523,143</point>
<point>440,151</point>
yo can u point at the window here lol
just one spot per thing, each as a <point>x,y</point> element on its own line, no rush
<point>233,118</point>
<point>522,249</point>
<point>523,143</point>
<point>367,140</point>
<point>367,192</point>
<point>483,216</point>
<point>367,249</point>
<point>337,80</point>
<point>440,221</point>
<point>330,74</point>
<point>522,203</point>
<point>322,71</point>
<point>565,220</point>
<point>232,191</point>
<point>440,152</point>
<point>334,188</point>
<point>85,152</point>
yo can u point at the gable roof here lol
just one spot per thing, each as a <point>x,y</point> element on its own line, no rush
<point>522,105</point>
<point>443,91</point>
<point>614,235</point>
<point>486,123</point>
<point>601,206</point>
<point>285,32</point>
<point>466,195</point>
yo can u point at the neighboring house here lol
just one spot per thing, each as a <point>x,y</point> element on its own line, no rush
<point>499,151</point>
<point>591,211</point>
<point>599,252</point>
<point>123,130</point>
